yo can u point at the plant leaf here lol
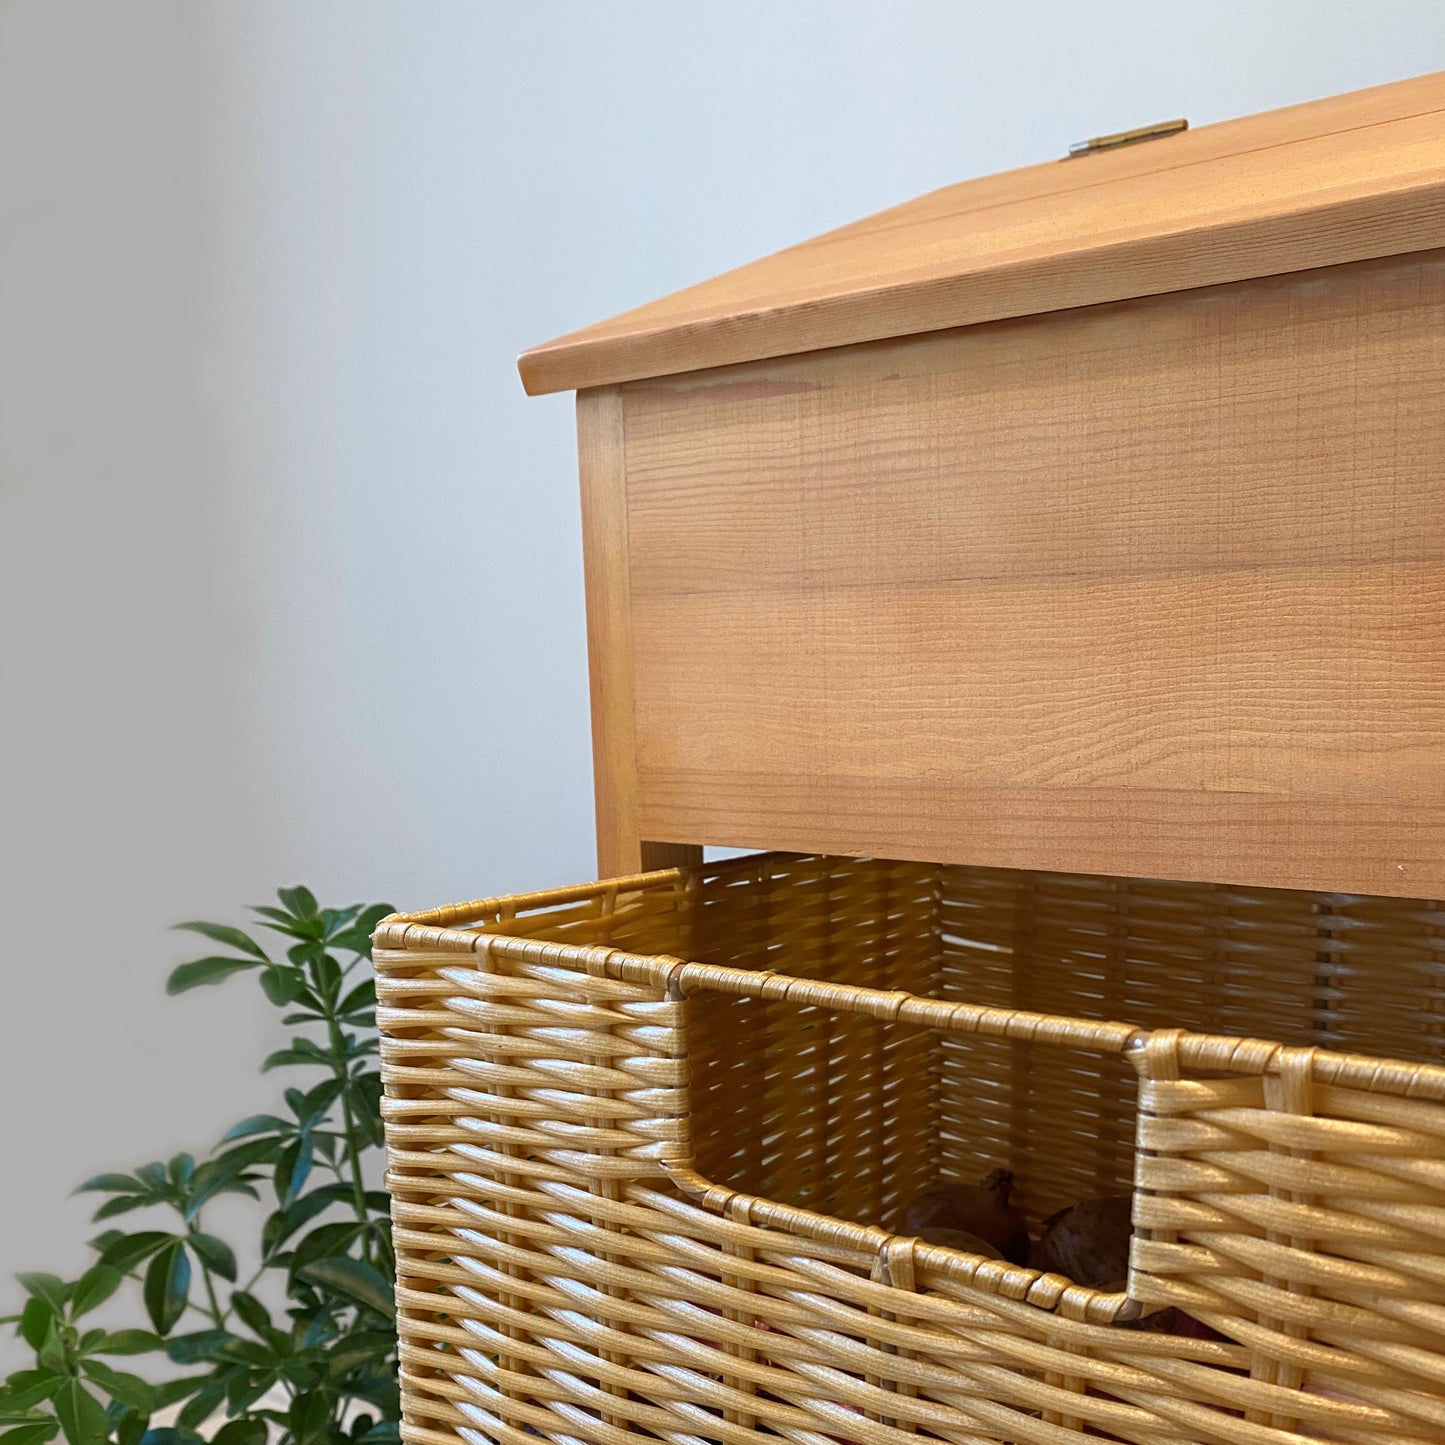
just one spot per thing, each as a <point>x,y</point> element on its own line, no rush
<point>302,1016</point>
<point>293,1169</point>
<point>37,1321</point>
<point>26,1388</point>
<point>250,1352</point>
<point>93,1288</point>
<point>255,1124</point>
<point>243,1156</point>
<point>202,971</point>
<point>215,1254</point>
<point>321,1324</point>
<point>217,1176</point>
<point>299,902</point>
<point>49,1287</point>
<point>172,1391</point>
<point>382,1391</point>
<point>364,1092</point>
<point>366,1346</point>
<point>127,1342</point>
<point>241,1432</point>
<point>272,915</point>
<point>285,1222</point>
<point>223,933</point>
<point>126,1389</point>
<point>245,1388</point>
<point>384,1432</point>
<point>310,1415</point>
<point>201,1347</point>
<point>81,1415</point>
<point>338,918</point>
<point>318,1100</point>
<point>307,930</point>
<point>121,1204</point>
<point>301,1051</point>
<point>361,999</point>
<point>111,1184</point>
<point>357,938</point>
<point>326,1241</point>
<point>33,1432</point>
<point>167,1286</point>
<point>282,985</point>
<point>252,1312</point>
<point>356,1280</point>
<point>130,1249</point>
<point>199,1408</point>
<point>305,953</point>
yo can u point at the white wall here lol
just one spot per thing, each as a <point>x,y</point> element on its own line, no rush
<point>291,582</point>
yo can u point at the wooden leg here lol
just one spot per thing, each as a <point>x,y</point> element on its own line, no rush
<point>671,855</point>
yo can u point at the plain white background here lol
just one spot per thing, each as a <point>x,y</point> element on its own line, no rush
<point>290,570</point>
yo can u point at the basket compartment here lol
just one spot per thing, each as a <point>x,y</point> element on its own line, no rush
<point>637,1195</point>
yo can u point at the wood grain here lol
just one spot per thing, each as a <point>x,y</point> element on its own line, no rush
<point>601,462</point>
<point>1340,180</point>
<point>601,454</point>
<point>1152,589</point>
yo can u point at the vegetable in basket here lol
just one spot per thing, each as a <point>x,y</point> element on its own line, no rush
<point>983,1210</point>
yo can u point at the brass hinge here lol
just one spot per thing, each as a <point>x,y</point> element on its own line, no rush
<point>1127,137</point>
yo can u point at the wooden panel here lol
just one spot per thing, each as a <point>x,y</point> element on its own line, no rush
<point>600,456</point>
<point>1335,181</point>
<point>1155,589</point>
<point>621,850</point>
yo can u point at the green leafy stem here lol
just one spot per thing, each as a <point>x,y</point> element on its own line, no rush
<point>319,1365</point>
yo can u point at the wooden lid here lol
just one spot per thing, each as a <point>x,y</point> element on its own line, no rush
<point>1345,179</point>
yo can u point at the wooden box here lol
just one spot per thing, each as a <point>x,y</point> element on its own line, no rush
<point>1084,518</point>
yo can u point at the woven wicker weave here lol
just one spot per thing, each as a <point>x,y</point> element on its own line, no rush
<point>647,1139</point>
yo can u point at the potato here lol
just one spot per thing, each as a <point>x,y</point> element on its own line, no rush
<point>982,1210</point>
<point>1088,1243</point>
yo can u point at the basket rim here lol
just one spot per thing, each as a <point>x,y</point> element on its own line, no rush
<point>1155,1053</point>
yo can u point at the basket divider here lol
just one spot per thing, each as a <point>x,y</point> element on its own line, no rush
<point>1289,1090</point>
<point>738,1243</point>
<point>508,1366</point>
<point>611,1189</point>
<point>1074,1384</point>
<point>894,1267</point>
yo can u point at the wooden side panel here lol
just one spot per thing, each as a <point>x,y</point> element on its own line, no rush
<point>601,455</point>
<point>1154,589</point>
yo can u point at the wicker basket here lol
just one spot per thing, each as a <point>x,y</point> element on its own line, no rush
<point>641,1196</point>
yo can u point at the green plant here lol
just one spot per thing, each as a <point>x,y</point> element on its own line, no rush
<point>322,1367</point>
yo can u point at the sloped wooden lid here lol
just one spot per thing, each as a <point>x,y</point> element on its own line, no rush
<point>1345,179</point>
